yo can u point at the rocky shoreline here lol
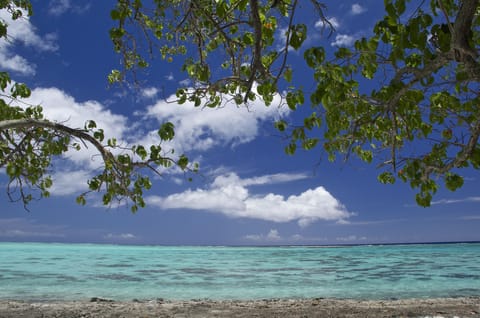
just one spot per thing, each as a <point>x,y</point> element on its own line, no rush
<point>316,307</point>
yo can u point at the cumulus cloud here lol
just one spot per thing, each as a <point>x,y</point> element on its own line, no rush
<point>21,31</point>
<point>273,235</point>
<point>229,195</point>
<point>76,167</point>
<point>343,40</point>
<point>320,24</point>
<point>200,129</point>
<point>149,92</point>
<point>68,182</point>
<point>61,107</point>
<point>195,129</point>
<point>357,9</point>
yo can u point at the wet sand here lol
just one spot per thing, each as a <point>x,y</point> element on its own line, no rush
<point>444,307</point>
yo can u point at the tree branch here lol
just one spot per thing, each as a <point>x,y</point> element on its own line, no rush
<point>256,64</point>
<point>79,133</point>
<point>462,32</point>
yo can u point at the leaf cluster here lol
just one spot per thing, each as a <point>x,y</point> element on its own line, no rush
<point>228,47</point>
<point>422,123</point>
<point>29,143</point>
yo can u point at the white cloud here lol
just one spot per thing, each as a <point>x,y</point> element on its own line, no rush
<point>69,182</point>
<point>351,238</point>
<point>60,107</point>
<point>22,31</point>
<point>357,9</point>
<point>320,24</point>
<point>281,39</point>
<point>228,195</point>
<point>343,40</point>
<point>274,178</point>
<point>272,236</point>
<point>149,92</point>
<point>195,128</point>
<point>59,7</point>
<point>15,63</point>
<point>122,236</point>
<point>202,128</point>
<point>185,83</point>
<point>170,77</point>
<point>76,167</point>
<point>452,201</point>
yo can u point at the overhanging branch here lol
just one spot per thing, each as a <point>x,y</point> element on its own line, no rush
<point>79,133</point>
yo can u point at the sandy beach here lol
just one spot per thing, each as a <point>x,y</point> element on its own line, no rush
<point>444,307</point>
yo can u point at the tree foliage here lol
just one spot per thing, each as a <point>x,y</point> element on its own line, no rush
<point>227,47</point>
<point>29,142</point>
<point>421,121</point>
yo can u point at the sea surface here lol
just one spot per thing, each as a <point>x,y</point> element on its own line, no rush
<point>44,272</point>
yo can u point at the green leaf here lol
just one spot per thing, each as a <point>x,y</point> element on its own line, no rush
<point>167,131</point>
<point>99,135</point>
<point>140,150</point>
<point>386,177</point>
<point>290,149</point>
<point>248,39</point>
<point>115,15</point>
<point>12,170</point>
<point>112,142</point>
<point>94,184</point>
<point>298,35</point>
<point>281,125</point>
<point>423,199</point>
<point>310,143</point>
<point>183,162</point>
<point>453,181</point>
<point>115,76</point>
<point>20,90</point>
<point>3,29</point>
<point>400,6</point>
<point>90,124</point>
<point>291,101</point>
<point>107,198</point>
<point>288,75</point>
<point>314,56</point>
<point>390,9</point>
<point>81,200</point>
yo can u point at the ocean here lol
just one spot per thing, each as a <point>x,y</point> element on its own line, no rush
<point>48,272</point>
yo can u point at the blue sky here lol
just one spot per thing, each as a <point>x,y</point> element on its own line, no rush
<point>248,191</point>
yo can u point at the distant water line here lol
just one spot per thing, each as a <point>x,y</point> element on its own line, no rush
<point>39,271</point>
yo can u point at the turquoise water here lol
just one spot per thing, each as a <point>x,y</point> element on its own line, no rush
<point>31,271</point>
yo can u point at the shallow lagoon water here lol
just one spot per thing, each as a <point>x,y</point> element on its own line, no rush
<point>39,271</point>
